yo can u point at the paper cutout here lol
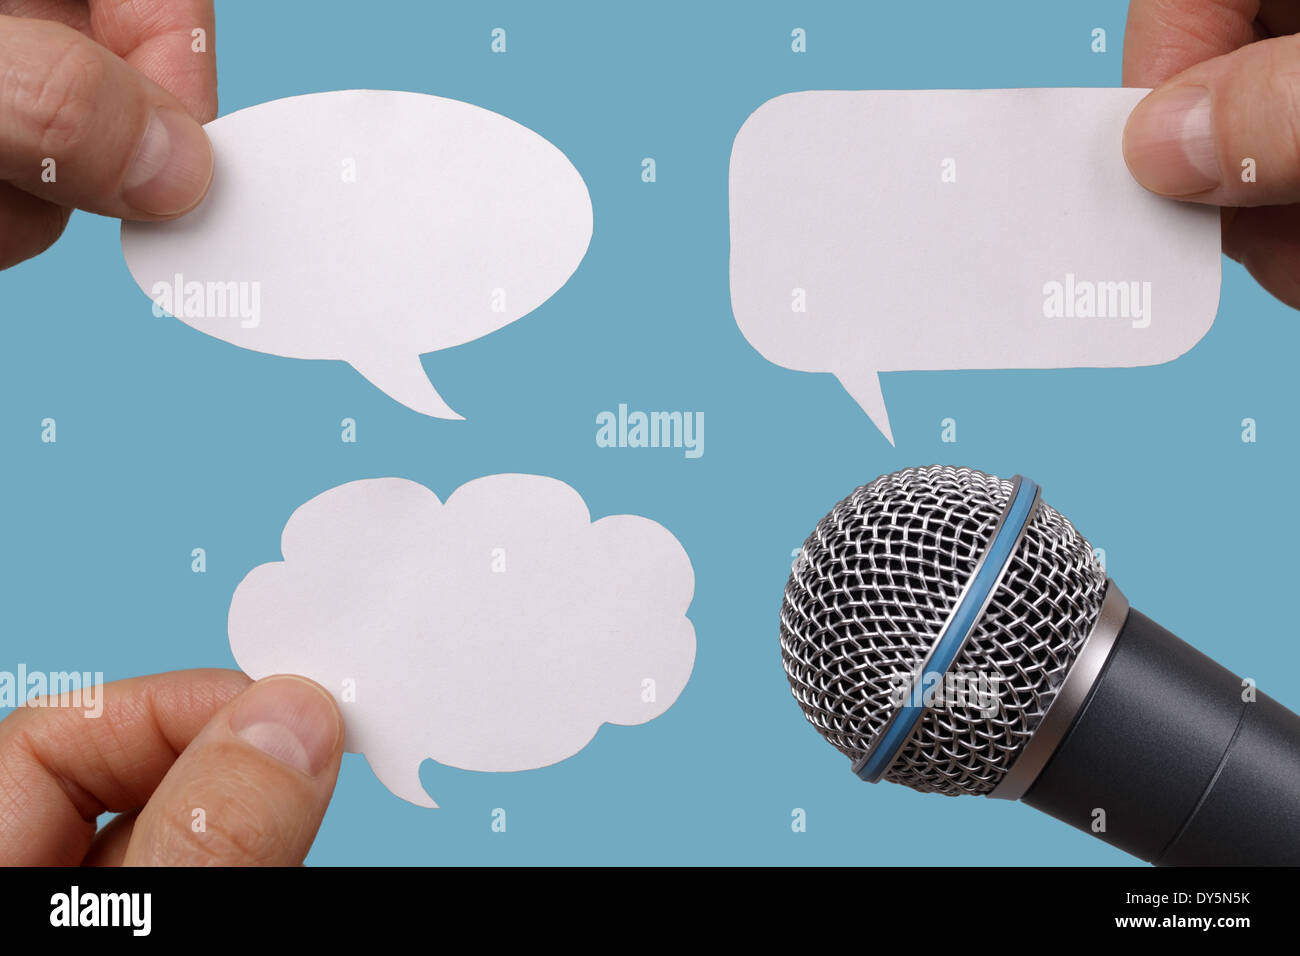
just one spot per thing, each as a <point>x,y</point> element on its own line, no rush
<point>369,226</point>
<point>497,631</point>
<point>959,229</point>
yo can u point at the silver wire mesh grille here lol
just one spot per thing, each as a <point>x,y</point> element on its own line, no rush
<point>869,594</point>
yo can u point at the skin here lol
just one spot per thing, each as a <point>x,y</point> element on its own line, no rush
<point>83,83</point>
<point>163,747</point>
<point>79,83</point>
<point>1245,53</point>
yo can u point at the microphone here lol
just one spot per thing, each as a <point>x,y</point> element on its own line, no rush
<point>949,630</point>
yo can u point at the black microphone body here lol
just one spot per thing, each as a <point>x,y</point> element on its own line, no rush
<point>1176,760</point>
<point>950,631</point>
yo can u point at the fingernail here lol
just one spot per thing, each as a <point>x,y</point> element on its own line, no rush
<point>291,719</point>
<point>1169,142</point>
<point>172,165</point>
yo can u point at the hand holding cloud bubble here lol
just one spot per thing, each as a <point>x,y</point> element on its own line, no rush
<point>880,231</point>
<point>368,226</point>
<point>496,631</point>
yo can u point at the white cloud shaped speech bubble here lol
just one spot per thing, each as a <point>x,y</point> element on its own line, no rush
<point>496,631</point>
<point>880,231</point>
<point>369,226</point>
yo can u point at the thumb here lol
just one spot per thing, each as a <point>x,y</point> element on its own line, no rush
<point>79,127</point>
<point>252,787</point>
<point>1226,131</point>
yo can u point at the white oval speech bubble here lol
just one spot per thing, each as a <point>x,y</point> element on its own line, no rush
<point>879,231</point>
<point>369,226</point>
<point>496,631</point>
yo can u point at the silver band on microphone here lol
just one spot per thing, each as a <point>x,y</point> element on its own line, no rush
<point>1069,699</point>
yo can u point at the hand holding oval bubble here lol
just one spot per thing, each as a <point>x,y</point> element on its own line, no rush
<point>368,226</point>
<point>879,231</point>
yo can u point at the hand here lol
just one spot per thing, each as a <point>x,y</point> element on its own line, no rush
<point>100,105</point>
<point>202,766</point>
<point>1228,91</point>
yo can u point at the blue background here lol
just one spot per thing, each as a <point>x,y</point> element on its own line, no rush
<point>170,440</point>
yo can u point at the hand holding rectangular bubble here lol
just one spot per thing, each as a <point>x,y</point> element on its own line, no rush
<point>879,231</point>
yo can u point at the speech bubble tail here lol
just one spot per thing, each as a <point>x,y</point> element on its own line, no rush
<point>865,390</point>
<point>404,380</point>
<point>395,773</point>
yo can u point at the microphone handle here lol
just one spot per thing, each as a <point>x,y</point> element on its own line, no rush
<point>1169,759</point>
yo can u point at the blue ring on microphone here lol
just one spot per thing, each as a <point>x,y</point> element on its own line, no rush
<point>958,628</point>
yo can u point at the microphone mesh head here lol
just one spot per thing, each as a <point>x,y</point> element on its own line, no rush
<point>869,595</point>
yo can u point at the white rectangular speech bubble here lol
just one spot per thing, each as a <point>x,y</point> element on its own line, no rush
<point>877,231</point>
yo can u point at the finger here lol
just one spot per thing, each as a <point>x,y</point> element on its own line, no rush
<point>109,846</point>
<point>158,38</point>
<point>252,787</point>
<point>1164,37</point>
<point>28,225</point>
<point>1225,132</point>
<point>74,15</point>
<point>79,127</point>
<point>1266,240</point>
<point>61,767</point>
